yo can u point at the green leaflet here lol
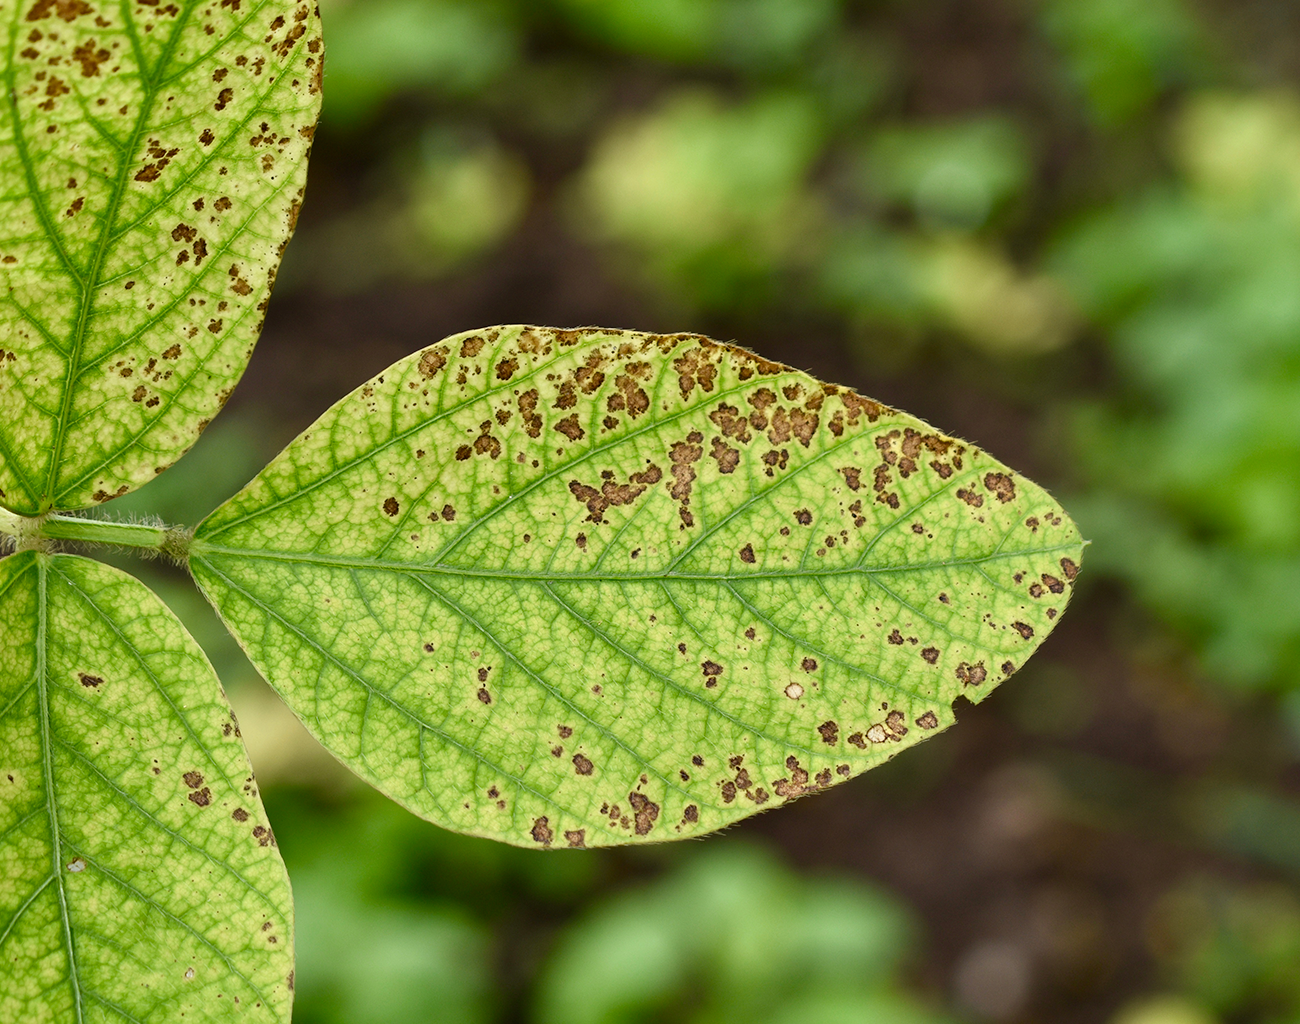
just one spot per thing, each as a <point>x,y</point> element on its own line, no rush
<point>126,126</point>
<point>138,877</point>
<point>587,587</point>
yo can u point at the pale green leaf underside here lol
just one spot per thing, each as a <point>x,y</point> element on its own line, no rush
<point>586,587</point>
<point>152,161</point>
<point>138,877</point>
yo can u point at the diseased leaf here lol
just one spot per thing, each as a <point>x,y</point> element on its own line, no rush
<point>126,125</point>
<point>586,587</point>
<point>139,878</point>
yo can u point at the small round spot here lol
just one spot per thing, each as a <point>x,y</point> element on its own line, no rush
<point>794,691</point>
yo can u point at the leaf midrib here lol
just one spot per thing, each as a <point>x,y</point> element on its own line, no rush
<point>203,548</point>
<point>149,80</point>
<point>47,769</point>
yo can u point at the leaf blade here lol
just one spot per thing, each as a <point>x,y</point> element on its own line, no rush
<point>554,579</point>
<point>133,879</point>
<point>154,160</point>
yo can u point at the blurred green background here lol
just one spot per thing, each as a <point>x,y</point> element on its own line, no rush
<point>1068,230</point>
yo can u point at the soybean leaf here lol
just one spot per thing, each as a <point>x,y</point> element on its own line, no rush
<point>588,587</point>
<point>126,126</point>
<point>140,880</point>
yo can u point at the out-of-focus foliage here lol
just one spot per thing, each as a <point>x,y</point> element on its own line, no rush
<point>1197,473</point>
<point>734,936</point>
<point>1233,949</point>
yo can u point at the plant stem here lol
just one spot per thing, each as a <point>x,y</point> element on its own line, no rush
<point>98,531</point>
<point>27,532</point>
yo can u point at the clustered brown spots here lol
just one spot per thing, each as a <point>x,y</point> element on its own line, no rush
<point>646,812</point>
<point>611,493</point>
<point>971,675</point>
<point>728,458</point>
<point>431,361</point>
<point>1002,486</point>
<point>695,367</point>
<point>798,783</point>
<point>630,396</point>
<point>68,10</point>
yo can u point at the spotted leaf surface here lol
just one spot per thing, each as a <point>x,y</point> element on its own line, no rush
<point>152,162</point>
<point>140,880</point>
<point>568,588</point>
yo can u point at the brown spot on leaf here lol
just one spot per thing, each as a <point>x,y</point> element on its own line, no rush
<point>970,497</point>
<point>569,428</point>
<point>528,413</point>
<point>506,368</point>
<point>202,798</point>
<point>747,554</point>
<point>1069,568</point>
<point>1002,485</point>
<point>728,419</point>
<point>929,720</point>
<point>193,779</point>
<point>391,507</point>
<point>646,812</point>
<point>691,814</point>
<point>895,723</point>
<point>830,732</point>
<point>431,361</point>
<point>1053,584</point>
<point>90,681</point>
<point>694,367</point>
<point>239,814</point>
<point>541,831</point>
<point>68,10</point>
<point>1023,629</point>
<point>582,765</point>
<point>971,675</point>
<point>809,664</point>
<point>576,838</point>
<point>728,458</point>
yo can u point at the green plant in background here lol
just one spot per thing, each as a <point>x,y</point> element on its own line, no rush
<point>554,587</point>
<point>1201,498</point>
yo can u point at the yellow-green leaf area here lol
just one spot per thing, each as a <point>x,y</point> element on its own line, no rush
<point>573,588</point>
<point>140,879</point>
<point>153,158</point>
